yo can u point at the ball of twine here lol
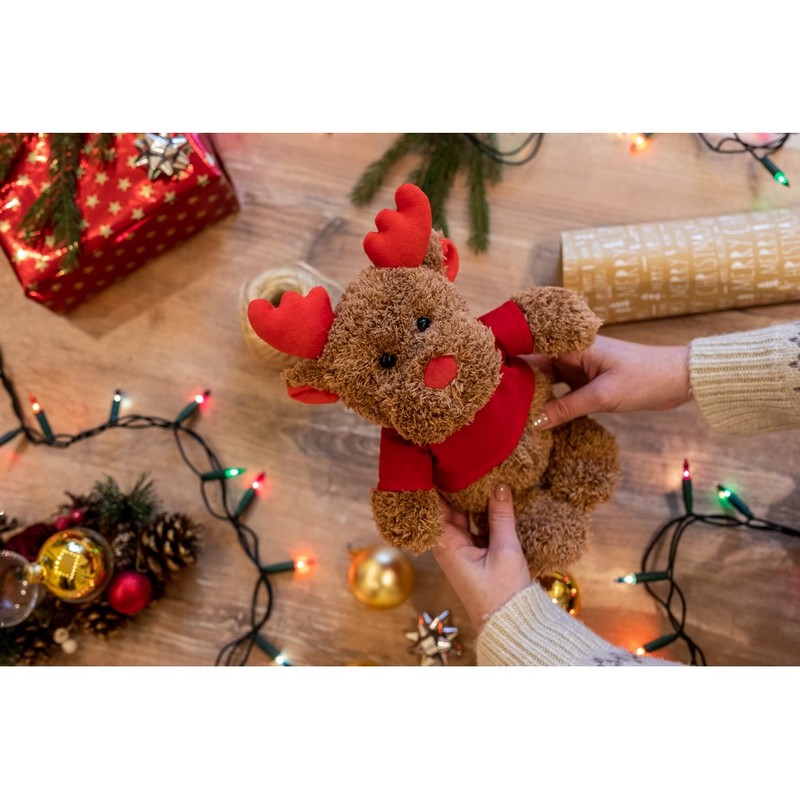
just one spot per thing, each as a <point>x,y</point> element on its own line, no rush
<point>271,285</point>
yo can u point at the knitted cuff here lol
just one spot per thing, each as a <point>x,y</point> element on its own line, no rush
<point>748,382</point>
<point>530,630</point>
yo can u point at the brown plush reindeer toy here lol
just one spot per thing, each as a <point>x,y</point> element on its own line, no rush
<point>455,403</point>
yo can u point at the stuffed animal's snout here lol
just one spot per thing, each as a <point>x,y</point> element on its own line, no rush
<point>440,372</point>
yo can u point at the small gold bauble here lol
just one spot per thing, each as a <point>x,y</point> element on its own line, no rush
<point>74,564</point>
<point>562,590</point>
<point>380,576</point>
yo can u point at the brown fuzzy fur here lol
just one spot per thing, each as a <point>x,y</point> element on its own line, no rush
<point>556,477</point>
<point>415,519</point>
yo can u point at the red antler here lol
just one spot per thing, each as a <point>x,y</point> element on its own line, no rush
<point>298,326</point>
<point>403,235</point>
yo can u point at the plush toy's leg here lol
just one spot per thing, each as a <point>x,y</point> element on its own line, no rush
<point>584,464</point>
<point>408,520</point>
<point>552,532</point>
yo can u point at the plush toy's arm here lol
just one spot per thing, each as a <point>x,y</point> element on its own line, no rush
<point>408,520</point>
<point>559,320</point>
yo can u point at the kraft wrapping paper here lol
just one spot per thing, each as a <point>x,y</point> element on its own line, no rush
<point>668,269</point>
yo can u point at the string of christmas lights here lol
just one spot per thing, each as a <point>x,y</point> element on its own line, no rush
<point>507,157</point>
<point>238,651</point>
<point>666,591</point>
<point>736,144</point>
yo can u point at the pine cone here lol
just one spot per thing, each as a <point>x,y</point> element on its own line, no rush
<point>169,543</point>
<point>124,541</point>
<point>32,643</point>
<point>99,619</point>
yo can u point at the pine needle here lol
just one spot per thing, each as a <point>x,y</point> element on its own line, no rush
<point>442,157</point>
<point>55,209</point>
<point>115,506</point>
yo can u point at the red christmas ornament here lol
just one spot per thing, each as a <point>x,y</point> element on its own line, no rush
<point>62,523</point>
<point>129,592</point>
<point>76,515</point>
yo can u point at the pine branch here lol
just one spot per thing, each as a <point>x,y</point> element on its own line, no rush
<point>442,157</point>
<point>114,506</point>
<point>102,148</point>
<point>444,160</point>
<point>55,208</point>
<point>377,172</point>
<point>10,148</point>
<point>478,204</point>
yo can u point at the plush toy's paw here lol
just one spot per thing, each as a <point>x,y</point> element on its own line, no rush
<point>584,464</point>
<point>408,520</point>
<point>559,320</point>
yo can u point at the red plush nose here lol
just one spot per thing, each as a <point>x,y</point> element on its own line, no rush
<point>440,372</point>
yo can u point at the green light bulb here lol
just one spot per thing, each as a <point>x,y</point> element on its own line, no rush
<point>229,472</point>
<point>774,171</point>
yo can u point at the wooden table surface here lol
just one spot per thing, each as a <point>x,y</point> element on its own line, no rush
<point>173,328</point>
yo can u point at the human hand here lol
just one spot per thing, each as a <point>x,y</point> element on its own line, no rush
<point>484,578</point>
<point>614,375</point>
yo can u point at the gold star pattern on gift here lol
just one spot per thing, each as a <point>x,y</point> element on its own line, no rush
<point>162,154</point>
<point>433,641</point>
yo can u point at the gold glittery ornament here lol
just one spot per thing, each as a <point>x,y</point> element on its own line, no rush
<point>562,590</point>
<point>74,564</point>
<point>380,576</point>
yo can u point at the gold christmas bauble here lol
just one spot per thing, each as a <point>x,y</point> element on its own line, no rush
<point>562,590</point>
<point>380,576</point>
<point>74,564</point>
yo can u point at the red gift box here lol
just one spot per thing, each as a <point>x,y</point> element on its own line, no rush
<point>156,191</point>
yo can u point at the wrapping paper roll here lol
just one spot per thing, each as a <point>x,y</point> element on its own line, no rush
<point>668,269</point>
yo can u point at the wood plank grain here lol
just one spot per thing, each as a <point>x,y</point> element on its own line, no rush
<point>173,328</point>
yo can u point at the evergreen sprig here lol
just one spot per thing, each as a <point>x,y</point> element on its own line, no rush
<point>443,156</point>
<point>113,506</point>
<point>55,209</point>
<point>102,148</point>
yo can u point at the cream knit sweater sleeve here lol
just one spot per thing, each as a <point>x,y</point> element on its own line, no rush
<point>531,631</point>
<point>743,383</point>
<point>748,382</point>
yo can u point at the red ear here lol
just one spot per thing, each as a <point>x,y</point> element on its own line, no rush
<point>451,259</point>
<point>311,395</point>
<point>403,235</point>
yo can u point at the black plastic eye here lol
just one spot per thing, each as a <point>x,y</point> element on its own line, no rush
<point>423,323</point>
<point>387,360</point>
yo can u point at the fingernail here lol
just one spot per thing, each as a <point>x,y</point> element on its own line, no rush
<point>541,421</point>
<point>502,492</point>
